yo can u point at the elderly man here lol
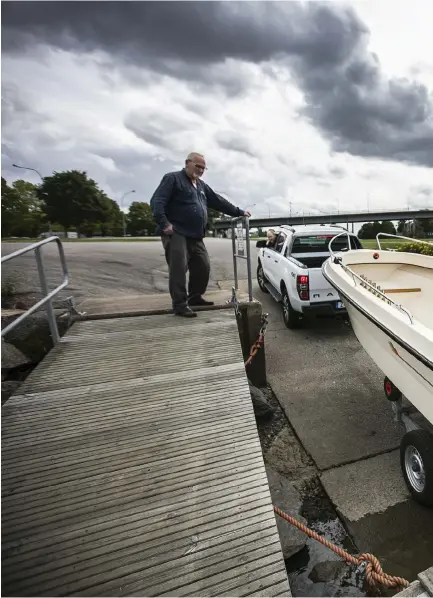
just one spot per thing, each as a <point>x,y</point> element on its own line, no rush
<point>179,206</point>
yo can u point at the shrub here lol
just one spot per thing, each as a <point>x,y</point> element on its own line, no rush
<point>414,247</point>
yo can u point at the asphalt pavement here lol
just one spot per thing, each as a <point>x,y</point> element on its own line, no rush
<point>329,388</point>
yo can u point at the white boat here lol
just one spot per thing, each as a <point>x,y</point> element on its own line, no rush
<point>389,300</point>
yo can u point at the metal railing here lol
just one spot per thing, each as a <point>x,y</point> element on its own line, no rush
<point>238,245</point>
<point>47,299</point>
<point>398,237</point>
<point>363,281</point>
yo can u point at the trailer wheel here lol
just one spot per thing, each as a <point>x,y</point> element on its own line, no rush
<point>416,459</point>
<point>291,318</point>
<point>391,391</point>
<point>261,278</point>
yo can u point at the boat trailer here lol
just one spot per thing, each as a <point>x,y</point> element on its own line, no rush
<point>416,447</point>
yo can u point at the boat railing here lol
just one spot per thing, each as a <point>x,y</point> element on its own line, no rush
<point>363,282</point>
<point>397,237</point>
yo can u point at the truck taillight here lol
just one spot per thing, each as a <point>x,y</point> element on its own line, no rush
<point>303,287</point>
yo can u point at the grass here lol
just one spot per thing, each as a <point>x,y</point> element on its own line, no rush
<point>90,240</point>
<point>7,289</point>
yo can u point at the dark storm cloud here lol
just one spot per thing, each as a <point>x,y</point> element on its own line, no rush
<point>323,44</point>
<point>231,140</point>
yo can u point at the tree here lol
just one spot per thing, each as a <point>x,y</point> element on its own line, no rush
<point>401,227</point>
<point>114,224</point>
<point>369,230</point>
<point>22,211</point>
<point>140,219</point>
<point>73,200</point>
<point>212,215</point>
<point>422,226</point>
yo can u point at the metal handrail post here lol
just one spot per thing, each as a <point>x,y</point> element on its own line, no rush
<point>235,264</point>
<point>49,304</point>
<point>47,299</point>
<point>250,279</point>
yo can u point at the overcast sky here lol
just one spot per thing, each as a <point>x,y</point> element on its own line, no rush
<point>324,105</point>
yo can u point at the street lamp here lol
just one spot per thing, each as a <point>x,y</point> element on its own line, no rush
<point>28,168</point>
<point>42,179</point>
<point>123,213</point>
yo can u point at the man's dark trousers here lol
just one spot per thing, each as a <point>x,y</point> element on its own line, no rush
<point>183,254</point>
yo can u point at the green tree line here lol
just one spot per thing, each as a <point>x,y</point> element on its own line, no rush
<point>416,228</point>
<point>68,201</point>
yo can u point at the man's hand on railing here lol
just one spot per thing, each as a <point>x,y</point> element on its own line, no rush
<point>247,214</point>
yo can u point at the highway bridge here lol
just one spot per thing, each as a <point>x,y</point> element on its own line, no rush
<point>336,217</point>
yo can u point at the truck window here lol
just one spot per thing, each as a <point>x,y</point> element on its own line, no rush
<point>320,244</point>
<point>279,243</point>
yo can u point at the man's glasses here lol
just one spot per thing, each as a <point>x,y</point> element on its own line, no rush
<point>198,166</point>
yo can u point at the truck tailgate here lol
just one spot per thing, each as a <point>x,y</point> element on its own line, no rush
<point>320,289</point>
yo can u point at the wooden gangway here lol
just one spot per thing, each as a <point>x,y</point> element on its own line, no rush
<point>132,467</point>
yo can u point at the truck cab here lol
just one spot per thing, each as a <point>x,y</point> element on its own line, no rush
<point>290,270</point>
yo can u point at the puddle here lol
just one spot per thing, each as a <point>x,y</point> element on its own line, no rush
<point>317,571</point>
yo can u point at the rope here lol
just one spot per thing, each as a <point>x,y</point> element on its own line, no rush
<point>374,574</point>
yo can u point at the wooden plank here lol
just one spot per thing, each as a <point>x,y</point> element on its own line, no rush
<point>407,290</point>
<point>426,578</point>
<point>132,465</point>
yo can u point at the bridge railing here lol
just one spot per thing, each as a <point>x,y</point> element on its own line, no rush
<point>242,250</point>
<point>47,299</point>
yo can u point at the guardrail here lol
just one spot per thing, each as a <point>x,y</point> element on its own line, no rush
<point>239,251</point>
<point>48,296</point>
<point>398,237</point>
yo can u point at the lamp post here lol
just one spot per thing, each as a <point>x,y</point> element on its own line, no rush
<point>123,213</point>
<point>42,180</point>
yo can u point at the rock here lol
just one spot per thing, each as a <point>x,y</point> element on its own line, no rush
<point>262,409</point>
<point>287,498</point>
<point>287,456</point>
<point>33,338</point>
<point>8,389</point>
<point>326,571</point>
<point>12,357</point>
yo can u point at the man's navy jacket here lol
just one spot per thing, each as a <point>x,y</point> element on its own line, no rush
<point>176,201</point>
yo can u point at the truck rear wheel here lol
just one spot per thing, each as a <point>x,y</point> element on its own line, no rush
<point>292,319</point>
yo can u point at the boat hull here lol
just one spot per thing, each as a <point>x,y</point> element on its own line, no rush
<point>412,378</point>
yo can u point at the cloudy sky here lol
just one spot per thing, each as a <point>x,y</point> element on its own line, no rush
<point>310,106</point>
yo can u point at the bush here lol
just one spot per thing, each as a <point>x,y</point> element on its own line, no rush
<point>414,247</point>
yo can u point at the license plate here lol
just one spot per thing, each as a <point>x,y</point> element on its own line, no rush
<point>340,305</point>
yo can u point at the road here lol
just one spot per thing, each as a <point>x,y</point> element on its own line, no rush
<point>109,268</point>
<point>328,387</point>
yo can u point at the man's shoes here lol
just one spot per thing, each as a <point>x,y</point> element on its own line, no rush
<point>199,302</point>
<point>185,312</point>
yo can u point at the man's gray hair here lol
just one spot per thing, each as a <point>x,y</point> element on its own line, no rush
<point>192,155</point>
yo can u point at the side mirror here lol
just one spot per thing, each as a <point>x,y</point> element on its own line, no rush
<point>261,243</point>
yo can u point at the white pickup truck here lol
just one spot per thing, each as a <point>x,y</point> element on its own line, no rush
<point>291,270</point>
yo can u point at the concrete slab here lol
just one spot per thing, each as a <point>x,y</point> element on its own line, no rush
<point>373,500</point>
<point>331,392</point>
<point>401,537</point>
<point>366,487</point>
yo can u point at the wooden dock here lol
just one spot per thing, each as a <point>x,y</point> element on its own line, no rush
<point>132,467</point>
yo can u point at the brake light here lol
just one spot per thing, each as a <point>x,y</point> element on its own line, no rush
<point>303,287</point>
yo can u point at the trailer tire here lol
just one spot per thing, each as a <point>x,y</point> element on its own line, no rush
<point>261,278</point>
<point>392,393</point>
<point>292,319</point>
<point>416,460</point>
